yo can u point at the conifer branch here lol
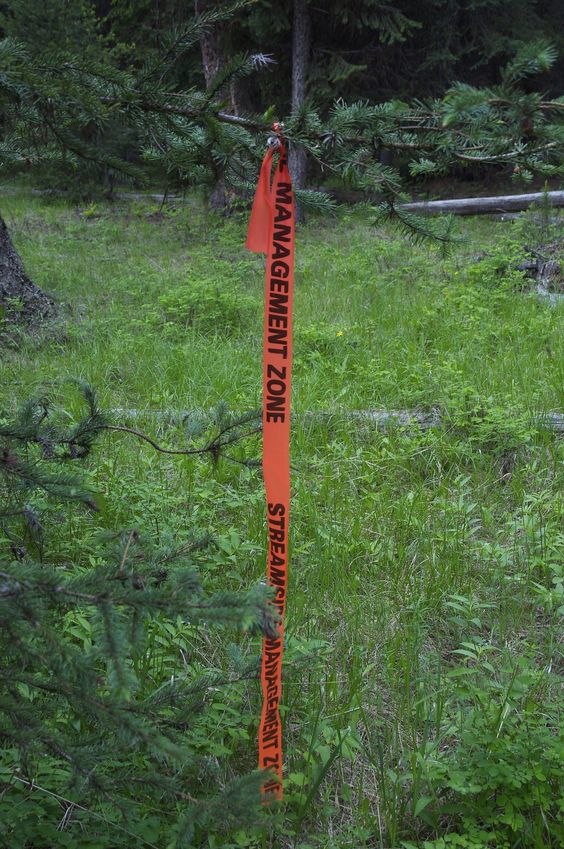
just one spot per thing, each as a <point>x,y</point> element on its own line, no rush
<point>186,135</point>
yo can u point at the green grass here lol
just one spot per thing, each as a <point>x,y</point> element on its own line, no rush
<point>408,546</point>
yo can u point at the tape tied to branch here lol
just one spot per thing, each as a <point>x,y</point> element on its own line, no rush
<point>271,231</point>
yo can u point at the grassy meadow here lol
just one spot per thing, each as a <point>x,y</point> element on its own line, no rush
<point>426,590</point>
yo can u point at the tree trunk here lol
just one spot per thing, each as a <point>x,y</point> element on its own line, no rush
<point>213,60</point>
<point>212,55</point>
<point>301,47</point>
<point>20,299</point>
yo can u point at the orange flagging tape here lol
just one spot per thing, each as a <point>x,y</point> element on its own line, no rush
<point>271,231</point>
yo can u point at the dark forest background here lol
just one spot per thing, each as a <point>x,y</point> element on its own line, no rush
<point>364,49</point>
<point>313,52</point>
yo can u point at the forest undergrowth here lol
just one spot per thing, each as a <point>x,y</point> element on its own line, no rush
<point>423,664</point>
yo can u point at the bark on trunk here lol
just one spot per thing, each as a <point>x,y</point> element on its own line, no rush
<point>212,56</point>
<point>213,60</point>
<point>20,299</point>
<point>301,47</point>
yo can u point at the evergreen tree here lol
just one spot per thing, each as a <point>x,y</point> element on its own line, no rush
<point>65,109</point>
<point>86,712</point>
<point>51,25</point>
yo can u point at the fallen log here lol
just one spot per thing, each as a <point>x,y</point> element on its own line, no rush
<point>537,219</point>
<point>498,206</point>
<point>159,198</point>
<point>554,299</point>
<point>486,206</point>
<point>378,419</point>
